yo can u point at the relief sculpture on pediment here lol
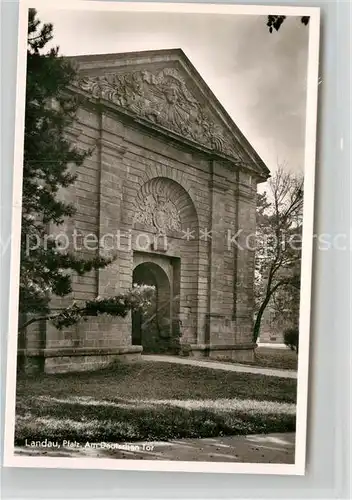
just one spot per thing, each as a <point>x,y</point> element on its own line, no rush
<point>164,99</point>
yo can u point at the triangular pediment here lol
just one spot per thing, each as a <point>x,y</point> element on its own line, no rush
<point>164,89</point>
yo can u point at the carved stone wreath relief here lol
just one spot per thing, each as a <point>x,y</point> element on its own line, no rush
<point>159,213</point>
<point>162,98</point>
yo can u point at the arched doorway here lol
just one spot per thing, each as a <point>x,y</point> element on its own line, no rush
<point>153,329</point>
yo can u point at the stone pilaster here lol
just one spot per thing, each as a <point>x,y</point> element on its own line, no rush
<point>245,254</point>
<point>116,277</point>
<point>216,313</point>
<point>110,210</point>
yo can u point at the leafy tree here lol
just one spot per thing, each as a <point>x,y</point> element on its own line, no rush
<point>275,22</point>
<point>48,166</point>
<point>278,254</point>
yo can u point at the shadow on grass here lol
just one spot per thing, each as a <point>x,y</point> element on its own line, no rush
<point>100,423</point>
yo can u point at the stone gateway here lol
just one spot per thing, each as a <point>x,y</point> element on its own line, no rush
<point>170,191</point>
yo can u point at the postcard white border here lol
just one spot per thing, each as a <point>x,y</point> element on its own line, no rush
<point>298,468</point>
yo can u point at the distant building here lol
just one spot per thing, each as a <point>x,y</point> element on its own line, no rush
<point>273,326</point>
<point>272,329</point>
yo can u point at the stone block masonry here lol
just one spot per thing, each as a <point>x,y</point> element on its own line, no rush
<point>170,182</point>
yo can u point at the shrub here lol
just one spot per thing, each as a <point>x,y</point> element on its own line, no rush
<point>291,338</point>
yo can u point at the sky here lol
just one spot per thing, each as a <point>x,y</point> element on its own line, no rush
<point>260,78</point>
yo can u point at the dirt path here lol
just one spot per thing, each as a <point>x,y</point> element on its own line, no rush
<point>217,365</point>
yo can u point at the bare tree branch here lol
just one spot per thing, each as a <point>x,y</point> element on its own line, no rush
<point>279,217</point>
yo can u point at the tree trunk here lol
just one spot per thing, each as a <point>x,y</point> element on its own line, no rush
<point>269,293</point>
<point>258,320</point>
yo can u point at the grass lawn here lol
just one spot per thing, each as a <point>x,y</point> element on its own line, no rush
<point>151,401</point>
<point>269,357</point>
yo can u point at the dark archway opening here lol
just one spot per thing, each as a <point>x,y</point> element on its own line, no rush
<point>153,329</point>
